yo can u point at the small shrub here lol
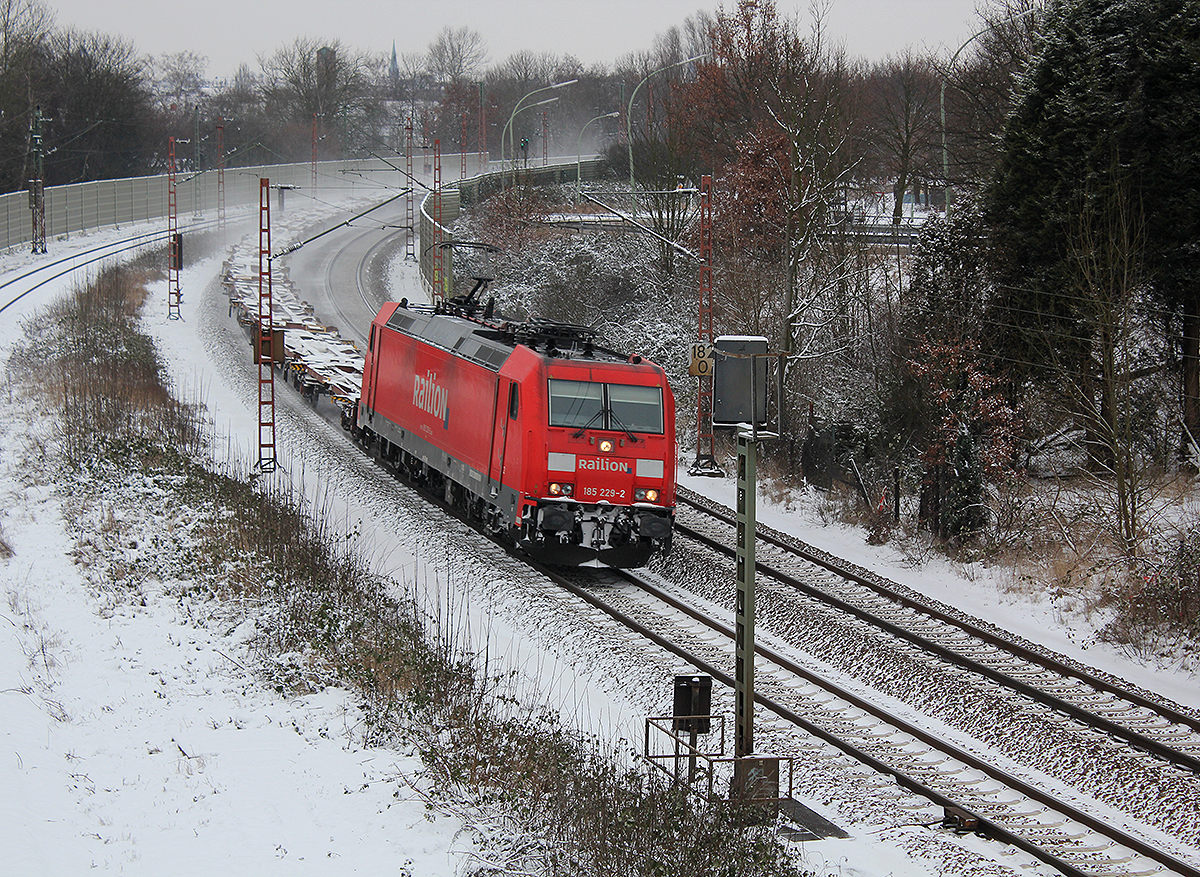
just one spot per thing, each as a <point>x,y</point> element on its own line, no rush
<point>1157,597</point>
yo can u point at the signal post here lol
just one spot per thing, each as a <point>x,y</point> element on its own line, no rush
<point>740,401</point>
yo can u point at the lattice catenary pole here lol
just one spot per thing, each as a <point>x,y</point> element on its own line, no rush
<point>481,136</point>
<point>438,278</point>
<point>221,174</point>
<point>410,249</point>
<point>197,169</point>
<point>37,185</point>
<point>545,138</point>
<point>174,242</point>
<point>314,157</point>
<point>266,335</point>
<point>462,147</point>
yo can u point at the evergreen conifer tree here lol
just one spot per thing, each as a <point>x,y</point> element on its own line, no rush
<point>1116,84</point>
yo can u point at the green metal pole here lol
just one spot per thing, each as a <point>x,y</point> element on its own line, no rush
<point>744,608</point>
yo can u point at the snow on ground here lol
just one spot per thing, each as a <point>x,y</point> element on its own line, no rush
<point>136,741</point>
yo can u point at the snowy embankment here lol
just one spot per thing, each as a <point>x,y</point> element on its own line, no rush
<point>141,743</point>
<point>137,740</point>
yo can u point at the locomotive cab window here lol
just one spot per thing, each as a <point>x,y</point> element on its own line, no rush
<point>576,403</point>
<point>638,409</point>
<point>587,405</point>
<point>514,401</point>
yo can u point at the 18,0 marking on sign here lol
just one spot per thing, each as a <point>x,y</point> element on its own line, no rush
<point>702,360</point>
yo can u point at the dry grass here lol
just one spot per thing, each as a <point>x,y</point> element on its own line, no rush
<point>86,355</point>
<point>570,805</point>
<point>1054,541</point>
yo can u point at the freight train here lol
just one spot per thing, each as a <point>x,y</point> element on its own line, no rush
<point>531,428</point>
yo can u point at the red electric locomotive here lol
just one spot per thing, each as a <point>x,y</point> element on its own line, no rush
<point>531,427</point>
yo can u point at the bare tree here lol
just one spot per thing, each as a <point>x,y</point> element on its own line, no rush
<point>902,102</point>
<point>23,23</point>
<point>980,88</point>
<point>1107,250</point>
<point>311,78</point>
<point>179,78</point>
<point>97,102</point>
<point>697,34</point>
<point>239,106</point>
<point>412,65</point>
<point>24,28</point>
<point>525,68</point>
<point>457,53</point>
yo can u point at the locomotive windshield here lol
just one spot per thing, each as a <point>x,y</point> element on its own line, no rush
<point>588,405</point>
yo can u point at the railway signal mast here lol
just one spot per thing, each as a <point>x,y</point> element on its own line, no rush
<point>37,185</point>
<point>702,362</point>
<point>740,401</point>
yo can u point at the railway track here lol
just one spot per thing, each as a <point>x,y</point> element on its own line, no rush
<point>1105,705</point>
<point>1096,778</point>
<point>989,791</point>
<point>994,797</point>
<point>20,285</point>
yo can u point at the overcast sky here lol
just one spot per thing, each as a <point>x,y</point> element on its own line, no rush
<point>232,32</point>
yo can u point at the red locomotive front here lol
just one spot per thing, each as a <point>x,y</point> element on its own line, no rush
<point>531,428</point>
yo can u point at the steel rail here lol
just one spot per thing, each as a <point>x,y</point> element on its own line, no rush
<point>987,636</point>
<point>988,827</point>
<point>1154,747</point>
<point>994,829</point>
<point>105,251</point>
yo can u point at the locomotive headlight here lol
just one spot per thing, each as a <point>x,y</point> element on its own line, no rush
<point>645,494</point>
<point>606,445</point>
<point>559,489</point>
<point>652,496</point>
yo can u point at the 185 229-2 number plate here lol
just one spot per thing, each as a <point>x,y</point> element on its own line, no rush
<point>610,493</point>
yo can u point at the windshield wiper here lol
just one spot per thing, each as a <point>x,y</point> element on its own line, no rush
<point>612,414</point>
<point>579,432</point>
<point>617,420</point>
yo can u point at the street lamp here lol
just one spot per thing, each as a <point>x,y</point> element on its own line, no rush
<point>579,152</point>
<point>512,140</point>
<point>949,67</point>
<point>508,125</point>
<point>629,118</point>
